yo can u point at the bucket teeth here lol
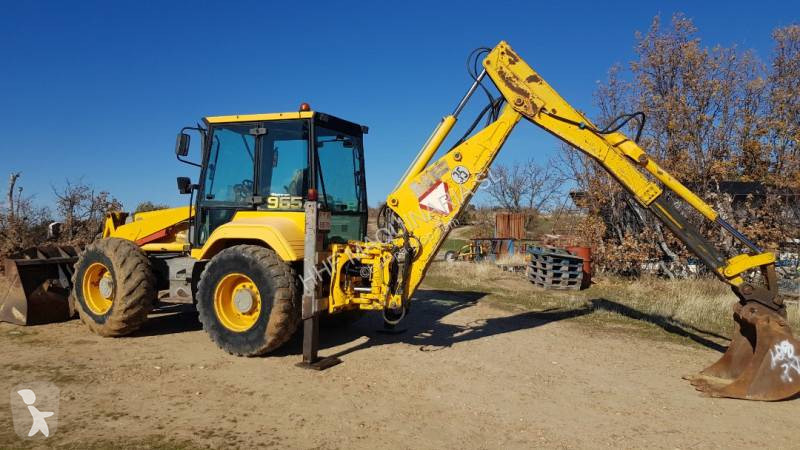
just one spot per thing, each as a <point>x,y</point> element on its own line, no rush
<point>761,363</point>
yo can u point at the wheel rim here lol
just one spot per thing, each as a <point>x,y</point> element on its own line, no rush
<point>237,302</point>
<point>98,289</point>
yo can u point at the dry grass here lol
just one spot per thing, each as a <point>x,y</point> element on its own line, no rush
<point>693,307</point>
<point>516,259</point>
<point>463,233</point>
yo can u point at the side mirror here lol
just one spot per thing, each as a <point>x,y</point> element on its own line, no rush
<point>184,185</point>
<point>182,144</point>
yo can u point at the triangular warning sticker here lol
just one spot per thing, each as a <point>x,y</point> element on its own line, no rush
<point>436,199</point>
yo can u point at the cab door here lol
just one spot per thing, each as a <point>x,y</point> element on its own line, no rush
<point>227,180</point>
<point>340,180</point>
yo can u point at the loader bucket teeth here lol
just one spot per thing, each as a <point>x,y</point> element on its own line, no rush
<point>35,285</point>
<point>761,363</point>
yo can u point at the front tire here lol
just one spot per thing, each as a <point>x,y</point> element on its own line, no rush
<point>114,287</point>
<point>248,300</point>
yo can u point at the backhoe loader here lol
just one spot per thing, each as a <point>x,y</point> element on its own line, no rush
<point>272,236</point>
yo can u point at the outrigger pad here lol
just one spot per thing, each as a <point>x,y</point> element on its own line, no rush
<point>761,363</point>
<point>320,363</point>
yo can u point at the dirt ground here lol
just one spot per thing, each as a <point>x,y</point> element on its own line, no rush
<point>464,374</point>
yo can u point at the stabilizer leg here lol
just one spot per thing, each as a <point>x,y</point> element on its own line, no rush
<point>311,307</point>
<point>311,359</point>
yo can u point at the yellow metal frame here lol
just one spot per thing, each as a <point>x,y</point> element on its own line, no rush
<point>343,295</point>
<point>740,264</point>
<point>145,224</point>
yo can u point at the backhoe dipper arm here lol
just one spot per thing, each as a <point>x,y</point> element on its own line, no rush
<point>621,157</point>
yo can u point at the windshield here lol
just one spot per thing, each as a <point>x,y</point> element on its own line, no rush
<point>340,170</point>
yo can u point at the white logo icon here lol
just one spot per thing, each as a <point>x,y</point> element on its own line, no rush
<point>34,407</point>
<point>39,422</point>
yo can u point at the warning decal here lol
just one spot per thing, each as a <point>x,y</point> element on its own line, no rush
<point>436,199</point>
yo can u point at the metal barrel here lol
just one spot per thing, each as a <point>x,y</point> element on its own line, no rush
<point>35,285</point>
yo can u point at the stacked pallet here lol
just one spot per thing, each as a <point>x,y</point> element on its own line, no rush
<point>554,268</point>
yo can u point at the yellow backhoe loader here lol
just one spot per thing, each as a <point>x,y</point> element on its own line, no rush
<point>273,234</point>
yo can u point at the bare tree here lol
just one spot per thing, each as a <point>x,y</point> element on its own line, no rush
<point>524,187</point>
<point>543,185</point>
<point>22,224</point>
<point>83,210</point>
<point>507,186</point>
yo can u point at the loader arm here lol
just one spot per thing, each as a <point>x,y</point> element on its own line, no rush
<point>428,200</point>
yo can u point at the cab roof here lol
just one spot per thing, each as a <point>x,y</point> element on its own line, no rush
<point>259,117</point>
<point>325,118</point>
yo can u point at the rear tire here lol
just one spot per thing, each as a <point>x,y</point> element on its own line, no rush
<point>450,256</point>
<point>128,280</point>
<point>248,300</point>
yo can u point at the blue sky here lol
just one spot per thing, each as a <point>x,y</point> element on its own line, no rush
<point>99,89</point>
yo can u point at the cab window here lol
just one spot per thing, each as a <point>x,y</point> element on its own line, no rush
<point>283,164</point>
<point>229,176</point>
<point>340,170</point>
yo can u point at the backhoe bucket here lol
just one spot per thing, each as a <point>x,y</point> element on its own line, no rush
<point>762,361</point>
<point>35,285</point>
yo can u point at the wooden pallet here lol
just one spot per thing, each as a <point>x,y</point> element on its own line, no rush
<point>552,268</point>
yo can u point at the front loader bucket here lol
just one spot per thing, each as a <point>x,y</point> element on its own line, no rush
<point>35,285</point>
<point>762,361</point>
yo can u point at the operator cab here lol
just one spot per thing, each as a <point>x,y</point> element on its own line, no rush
<point>274,163</point>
